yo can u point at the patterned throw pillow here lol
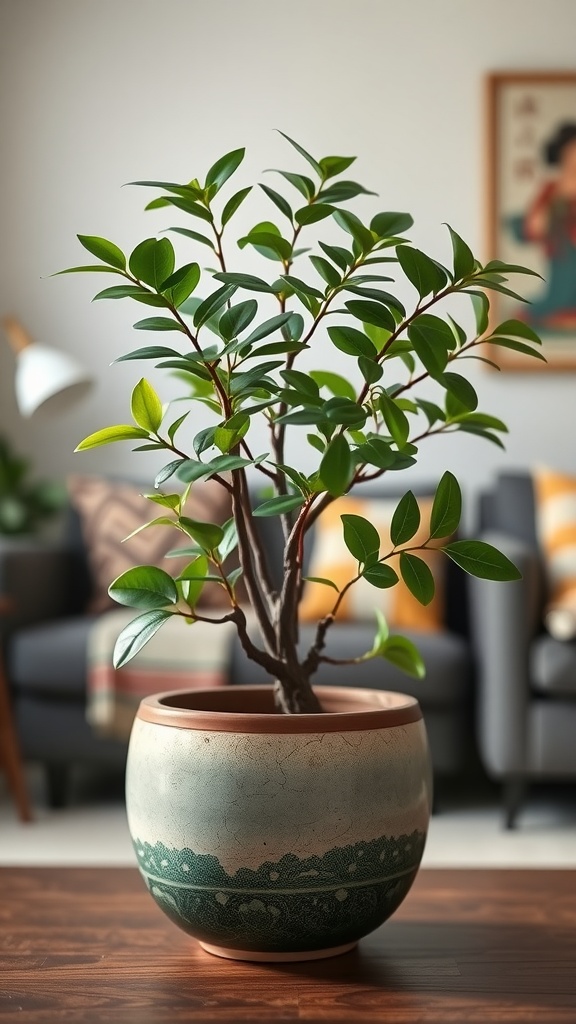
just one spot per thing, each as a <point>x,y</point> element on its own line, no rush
<point>555,498</point>
<point>330,559</point>
<point>110,511</point>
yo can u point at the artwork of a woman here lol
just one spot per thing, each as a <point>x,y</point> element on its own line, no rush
<point>550,221</point>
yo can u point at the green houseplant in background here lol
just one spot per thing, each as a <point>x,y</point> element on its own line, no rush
<point>317,836</point>
<point>242,363</point>
<point>24,504</point>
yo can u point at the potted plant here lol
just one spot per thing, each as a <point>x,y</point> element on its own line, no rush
<point>249,351</point>
<point>24,504</point>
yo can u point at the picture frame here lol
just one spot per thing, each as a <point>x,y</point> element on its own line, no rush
<point>531,208</point>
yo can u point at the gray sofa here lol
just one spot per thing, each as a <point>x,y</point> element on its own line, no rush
<point>526,680</point>
<point>45,643</point>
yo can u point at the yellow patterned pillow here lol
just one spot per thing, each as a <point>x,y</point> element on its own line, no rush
<point>330,559</point>
<point>555,498</point>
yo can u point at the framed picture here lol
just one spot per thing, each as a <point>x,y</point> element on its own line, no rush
<point>532,208</point>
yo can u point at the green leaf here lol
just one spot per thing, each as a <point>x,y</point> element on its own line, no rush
<point>326,271</point>
<point>253,284</point>
<point>149,352</point>
<point>518,346</point>
<point>195,235</point>
<point>146,407</point>
<point>341,191</point>
<point>207,535</point>
<point>464,261</point>
<point>269,243</point>
<point>182,283</point>
<point>420,270</point>
<point>268,327</point>
<point>166,472</point>
<point>360,537</point>
<point>405,655</point>
<point>429,342</point>
<point>376,452</point>
<point>145,586</point>
<point>189,470</point>
<point>481,306</point>
<point>341,257</point>
<point>279,201</point>
<point>120,291</point>
<point>351,341</point>
<point>380,575</point>
<point>313,163</point>
<point>103,250</point>
<point>302,286</point>
<point>136,634</point>
<point>395,419</point>
<point>313,213</point>
<point>333,165</point>
<point>483,560</point>
<point>388,225</point>
<point>279,505</point>
<point>237,318</point>
<point>212,304</point>
<point>360,233</point>
<point>158,323</point>
<point>96,268</point>
<point>371,313</point>
<point>406,519</point>
<point>316,442</point>
<point>461,388</point>
<point>233,204</point>
<point>335,383</point>
<point>336,466</point>
<point>516,329</point>
<point>321,579</point>
<point>152,261</point>
<point>224,168</point>
<point>446,508</point>
<point>417,576</point>
<point>190,206</point>
<point>370,369</point>
<point>122,432</point>
<point>193,578</point>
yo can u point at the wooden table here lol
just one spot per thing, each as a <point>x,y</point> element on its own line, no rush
<point>87,945</point>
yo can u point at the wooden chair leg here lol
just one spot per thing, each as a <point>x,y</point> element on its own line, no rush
<point>10,754</point>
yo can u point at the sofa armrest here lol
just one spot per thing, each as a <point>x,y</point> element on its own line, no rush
<point>35,579</point>
<point>504,619</point>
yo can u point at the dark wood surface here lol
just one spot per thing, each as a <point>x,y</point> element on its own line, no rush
<point>87,945</point>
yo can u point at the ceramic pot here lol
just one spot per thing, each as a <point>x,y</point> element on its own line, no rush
<point>278,837</point>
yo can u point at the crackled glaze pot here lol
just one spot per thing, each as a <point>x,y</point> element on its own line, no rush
<point>278,837</point>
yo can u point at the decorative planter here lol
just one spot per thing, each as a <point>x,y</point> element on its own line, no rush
<point>278,837</point>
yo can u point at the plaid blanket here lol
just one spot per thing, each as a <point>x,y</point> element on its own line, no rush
<point>177,657</point>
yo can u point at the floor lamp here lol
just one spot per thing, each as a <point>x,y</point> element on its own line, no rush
<point>46,377</point>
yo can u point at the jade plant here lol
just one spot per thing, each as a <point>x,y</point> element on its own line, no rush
<point>245,343</point>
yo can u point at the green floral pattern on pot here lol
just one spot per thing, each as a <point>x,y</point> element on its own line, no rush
<point>287,905</point>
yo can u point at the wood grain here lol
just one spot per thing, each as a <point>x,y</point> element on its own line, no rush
<point>87,945</point>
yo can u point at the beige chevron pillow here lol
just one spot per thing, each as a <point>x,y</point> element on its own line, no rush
<point>110,511</point>
<point>555,498</point>
<point>330,559</point>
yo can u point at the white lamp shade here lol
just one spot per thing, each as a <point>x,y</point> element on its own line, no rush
<point>46,376</point>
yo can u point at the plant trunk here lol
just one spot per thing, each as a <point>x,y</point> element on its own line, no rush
<point>293,695</point>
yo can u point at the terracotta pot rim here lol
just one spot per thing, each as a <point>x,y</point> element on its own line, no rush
<point>218,709</point>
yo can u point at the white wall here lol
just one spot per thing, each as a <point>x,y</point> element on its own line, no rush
<point>95,94</point>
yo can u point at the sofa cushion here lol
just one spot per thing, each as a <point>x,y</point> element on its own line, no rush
<point>109,511</point>
<point>556,524</point>
<point>331,559</point>
<point>553,667</point>
<point>50,659</point>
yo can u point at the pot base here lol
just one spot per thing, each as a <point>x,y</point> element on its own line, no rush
<point>278,958</point>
